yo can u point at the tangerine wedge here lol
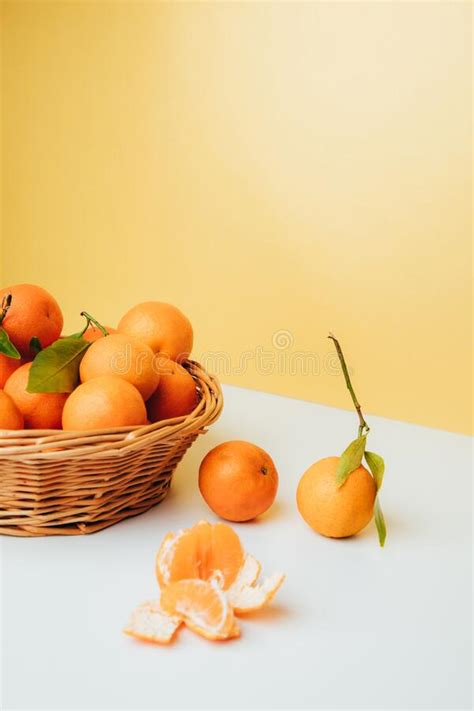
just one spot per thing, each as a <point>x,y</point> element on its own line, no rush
<point>203,606</point>
<point>199,552</point>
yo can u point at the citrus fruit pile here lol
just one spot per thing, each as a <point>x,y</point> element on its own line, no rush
<point>206,580</point>
<point>100,377</point>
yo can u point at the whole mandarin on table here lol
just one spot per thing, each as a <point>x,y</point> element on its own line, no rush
<point>338,496</point>
<point>238,480</point>
<point>332,510</point>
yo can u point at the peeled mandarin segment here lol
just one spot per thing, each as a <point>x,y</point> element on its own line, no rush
<point>253,597</point>
<point>150,623</point>
<point>202,632</point>
<point>202,606</point>
<point>227,554</point>
<point>200,552</point>
<point>235,631</point>
<point>163,560</point>
<point>177,558</point>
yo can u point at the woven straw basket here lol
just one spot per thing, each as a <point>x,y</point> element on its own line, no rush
<point>63,483</point>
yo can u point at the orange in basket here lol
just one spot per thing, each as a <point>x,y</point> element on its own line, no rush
<point>101,460</point>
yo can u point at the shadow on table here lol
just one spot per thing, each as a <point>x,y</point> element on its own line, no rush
<point>274,512</point>
<point>271,613</point>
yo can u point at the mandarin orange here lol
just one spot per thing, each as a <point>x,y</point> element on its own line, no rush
<point>238,480</point>
<point>7,367</point>
<point>125,357</point>
<point>41,411</point>
<point>34,313</point>
<point>10,416</point>
<point>332,510</point>
<point>176,394</point>
<point>104,402</point>
<point>93,333</point>
<point>161,326</point>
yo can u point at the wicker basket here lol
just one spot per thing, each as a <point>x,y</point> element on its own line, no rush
<point>63,483</point>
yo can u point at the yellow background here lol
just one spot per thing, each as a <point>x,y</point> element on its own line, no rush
<point>297,167</point>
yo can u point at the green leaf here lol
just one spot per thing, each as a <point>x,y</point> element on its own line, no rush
<point>376,466</point>
<point>56,368</point>
<point>380,522</point>
<point>6,346</point>
<point>35,345</point>
<point>350,459</point>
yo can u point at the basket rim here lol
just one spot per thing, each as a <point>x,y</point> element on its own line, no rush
<point>58,444</point>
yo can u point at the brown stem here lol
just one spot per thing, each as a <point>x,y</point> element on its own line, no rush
<point>6,303</point>
<point>362,423</point>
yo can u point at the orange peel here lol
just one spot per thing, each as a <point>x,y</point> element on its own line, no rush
<point>150,623</point>
<point>250,598</point>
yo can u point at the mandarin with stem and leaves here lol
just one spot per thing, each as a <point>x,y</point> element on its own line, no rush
<point>29,313</point>
<point>55,369</point>
<point>333,511</point>
<point>338,496</point>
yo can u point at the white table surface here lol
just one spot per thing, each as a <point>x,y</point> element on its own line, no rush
<point>353,627</point>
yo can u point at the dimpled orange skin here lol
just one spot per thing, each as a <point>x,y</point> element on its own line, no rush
<point>10,416</point>
<point>176,394</point>
<point>125,357</point>
<point>336,512</point>
<point>33,313</point>
<point>7,367</point>
<point>41,411</point>
<point>104,402</point>
<point>238,480</point>
<point>161,326</point>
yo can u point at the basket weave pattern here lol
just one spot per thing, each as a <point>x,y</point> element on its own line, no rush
<point>55,482</point>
